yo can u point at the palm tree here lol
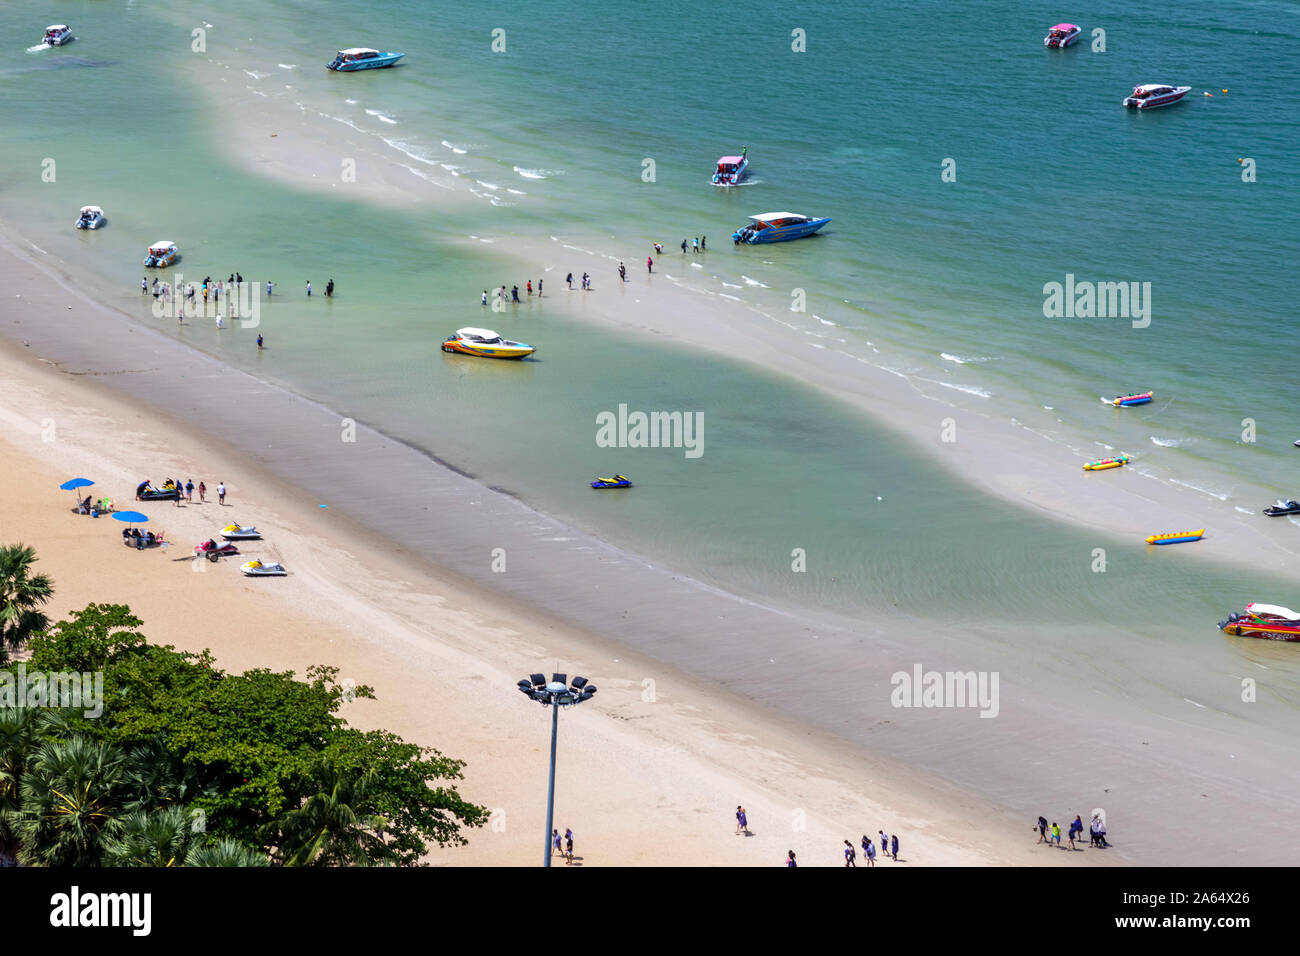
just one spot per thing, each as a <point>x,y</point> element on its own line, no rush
<point>225,852</point>
<point>20,594</point>
<point>70,798</point>
<point>157,777</point>
<point>329,829</point>
<point>158,838</point>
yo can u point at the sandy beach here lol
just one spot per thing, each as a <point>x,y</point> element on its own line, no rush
<point>648,775</point>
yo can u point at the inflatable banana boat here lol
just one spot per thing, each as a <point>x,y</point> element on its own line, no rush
<point>1101,464</point>
<point>1176,537</point>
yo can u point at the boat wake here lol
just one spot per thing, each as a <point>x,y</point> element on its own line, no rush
<point>39,47</point>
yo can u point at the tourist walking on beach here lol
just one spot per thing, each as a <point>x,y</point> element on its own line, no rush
<point>555,843</point>
<point>850,855</point>
<point>189,490</point>
<point>1056,834</point>
<point>203,492</point>
<point>789,859</point>
<point>221,492</point>
<point>622,272</point>
<point>649,264</point>
<point>568,846</point>
<point>514,293</point>
<point>703,241</point>
<point>884,842</point>
<point>259,341</point>
<point>1042,829</point>
<point>893,847</point>
<point>329,289</point>
<point>569,279</point>
<point>539,288</point>
<point>683,247</point>
<point>742,821</point>
<point>696,250</point>
<point>530,286</point>
<point>586,282</point>
<point>869,851</point>
<point>144,285</point>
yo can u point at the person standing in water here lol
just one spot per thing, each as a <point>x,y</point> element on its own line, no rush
<point>269,286</point>
<point>649,264</point>
<point>329,289</point>
<point>144,285</point>
<point>703,241</point>
<point>485,297</point>
<point>309,288</point>
<point>569,279</point>
<point>259,341</point>
<point>539,288</point>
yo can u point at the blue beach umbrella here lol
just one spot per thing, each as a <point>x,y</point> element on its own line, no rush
<point>134,517</point>
<point>72,484</point>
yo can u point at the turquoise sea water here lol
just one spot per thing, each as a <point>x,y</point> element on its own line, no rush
<point>939,280</point>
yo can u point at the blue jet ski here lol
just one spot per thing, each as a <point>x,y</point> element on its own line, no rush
<point>618,481</point>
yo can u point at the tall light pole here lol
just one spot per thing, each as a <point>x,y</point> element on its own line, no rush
<point>556,693</point>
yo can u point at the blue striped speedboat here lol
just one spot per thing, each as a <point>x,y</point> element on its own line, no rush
<point>361,58</point>
<point>777,227</point>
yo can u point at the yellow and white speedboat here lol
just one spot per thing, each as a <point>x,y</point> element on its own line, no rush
<point>486,344</point>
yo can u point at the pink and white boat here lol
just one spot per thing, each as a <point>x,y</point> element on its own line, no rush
<point>1062,35</point>
<point>1150,95</point>
<point>731,169</point>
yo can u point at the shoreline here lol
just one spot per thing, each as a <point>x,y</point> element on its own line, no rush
<point>671,763</point>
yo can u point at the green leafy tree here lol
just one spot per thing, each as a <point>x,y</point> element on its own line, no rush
<point>225,852</point>
<point>332,826</point>
<point>151,838</point>
<point>69,802</point>
<point>21,594</point>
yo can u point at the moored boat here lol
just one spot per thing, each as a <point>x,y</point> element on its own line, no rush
<point>92,217</point>
<point>486,344</point>
<point>1288,506</point>
<point>161,254</point>
<point>1176,537</point>
<point>256,569</point>
<point>618,481</point>
<point>731,169</point>
<point>1124,401</point>
<point>1061,35</point>
<point>1150,95</point>
<point>57,34</point>
<point>1101,464</point>
<point>237,532</point>
<point>777,227</point>
<point>1270,622</point>
<point>361,58</point>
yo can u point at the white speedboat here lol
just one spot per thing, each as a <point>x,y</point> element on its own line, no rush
<point>1150,95</point>
<point>161,254</point>
<point>92,217</point>
<point>237,532</point>
<point>256,569</point>
<point>57,34</point>
<point>731,169</point>
<point>777,227</point>
<point>1061,35</point>
<point>361,58</point>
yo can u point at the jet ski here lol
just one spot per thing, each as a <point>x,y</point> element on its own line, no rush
<point>237,532</point>
<point>212,551</point>
<point>147,492</point>
<point>618,481</point>
<point>1288,507</point>
<point>256,569</point>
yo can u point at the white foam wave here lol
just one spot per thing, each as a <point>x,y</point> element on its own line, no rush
<point>968,389</point>
<point>1205,491</point>
<point>459,150</point>
<point>537,173</point>
<point>733,298</point>
<point>287,66</point>
<point>351,102</point>
<point>730,285</point>
<point>963,359</point>
<point>750,281</point>
<point>255,75</point>
<point>1168,442</point>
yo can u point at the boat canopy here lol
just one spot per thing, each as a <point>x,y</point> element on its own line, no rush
<point>92,210</point>
<point>773,216</point>
<point>730,160</point>
<point>1153,88</point>
<point>486,335</point>
<point>56,28</point>
<point>358,51</point>
<point>1275,609</point>
<point>1065,27</point>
